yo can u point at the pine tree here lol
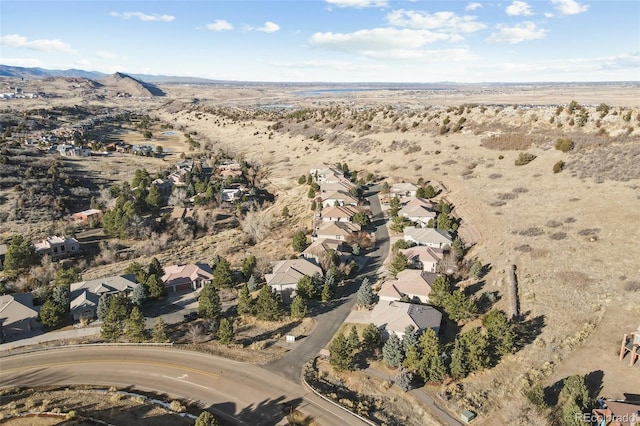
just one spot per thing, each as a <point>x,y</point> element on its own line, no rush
<point>268,305</point>
<point>431,366</point>
<point>245,302</point>
<point>154,198</point>
<point>398,264</point>
<point>111,323</point>
<point>155,268</point>
<point>298,308</point>
<point>138,271</point>
<point>135,326</point>
<point>139,295</point>
<point>155,287</point>
<point>299,241</point>
<point>371,338</point>
<point>209,302</point>
<point>410,338</point>
<point>476,270</point>
<point>353,339</point>
<point>459,365</point>
<point>305,288</point>
<point>327,292</point>
<point>412,358</point>
<point>225,331</point>
<point>60,296</point>
<point>477,349</point>
<point>575,388</point>
<point>222,276</point>
<point>500,331</point>
<point>340,354</point>
<point>365,296</point>
<point>20,254</point>
<point>440,291</point>
<point>103,306</point>
<point>248,265</point>
<point>160,331</point>
<point>404,380</point>
<point>51,313</point>
<point>460,307</point>
<point>252,284</point>
<point>392,351</point>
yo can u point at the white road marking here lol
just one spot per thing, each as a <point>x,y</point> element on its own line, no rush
<point>191,383</point>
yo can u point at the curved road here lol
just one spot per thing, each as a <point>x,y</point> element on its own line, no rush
<point>244,393</point>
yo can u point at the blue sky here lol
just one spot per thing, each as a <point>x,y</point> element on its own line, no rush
<point>330,40</point>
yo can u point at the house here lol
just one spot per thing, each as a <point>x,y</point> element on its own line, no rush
<point>179,177</point>
<point>335,230</point>
<point>186,164</point>
<point>342,185</point>
<point>423,257</point>
<point>230,173</point>
<point>231,194</point>
<point>411,283</point>
<point>286,274</point>
<point>338,213</point>
<point>418,210</point>
<point>182,213</point>
<point>164,185</point>
<point>3,253</point>
<point>192,276</point>
<point>57,247</point>
<point>17,314</point>
<point>431,237</point>
<point>616,413</point>
<point>326,173</point>
<point>394,317</point>
<point>146,150</point>
<point>339,198</point>
<point>85,295</point>
<point>320,246</point>
<point>92,216</point>
<point>403,189</point>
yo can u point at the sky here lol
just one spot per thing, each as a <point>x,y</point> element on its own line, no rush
<point>420,41</point>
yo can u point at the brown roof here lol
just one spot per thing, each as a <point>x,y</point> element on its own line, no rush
<point>339,211</point>
<point>396,316</point>
<point>409,281</point>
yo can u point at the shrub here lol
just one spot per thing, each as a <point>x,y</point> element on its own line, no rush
<point>564,145</point>
<point>558,167</point>
<point>524,158</point>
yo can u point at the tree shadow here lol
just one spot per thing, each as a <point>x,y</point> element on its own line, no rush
<point>475,287</point>
<point>527,330</point>
<point>552,393</point>
<point>448,331</point>
<point>632,397</point>
<point>594,382</point>
<point>487,300</point>
<point>269,411</point>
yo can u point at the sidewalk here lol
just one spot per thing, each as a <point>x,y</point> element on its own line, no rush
<point>440,414</point>
<point>51,336</point>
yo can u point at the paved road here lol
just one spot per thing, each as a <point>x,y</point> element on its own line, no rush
<point>332,316</point>
<point>244,393</point>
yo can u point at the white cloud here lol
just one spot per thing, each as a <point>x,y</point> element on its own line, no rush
<point>358,3</point>
<point>143,16</point>
<point>436,21</point>
<point>569,7</point>
<point>269,27</point>
<point>105,54</point>
<point>548,15</point>
<point>219,25</point>
<point>519,8</point>
<point>390,43</point>
<point>517,34</point>
<point>82,63</point>
<point>473,6</point>
<point>18,41</point>
<point>22,62</point>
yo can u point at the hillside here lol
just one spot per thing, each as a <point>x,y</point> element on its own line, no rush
<point>126,84</point>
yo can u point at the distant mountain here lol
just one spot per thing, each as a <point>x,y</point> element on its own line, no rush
<point>22,72</point>
<point>127,84</point>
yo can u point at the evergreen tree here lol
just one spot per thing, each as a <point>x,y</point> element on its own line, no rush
<point>340,354</point>
<point>248,265</point>
<point>209,302</point>
<point>410,338</point>
<point>572,414</point>
<point>440,291</point>
<point>394,207</point>
<point>154,198</point>
<point>392,351</point>
<point>206,419</point>
<point>444,222</point>
<point>305,288</point>
<point>52,314</point>
<point>477,349</point>
<point>252,284</point>
<point>103,306</point>
<point>112,321</point>
<point>314,205</point>
<point>460,307</point>
<point>457,248</point>
<point>159,331</point>
<point>225,331</point>
<point>362,219</point>
<point>399,264</point>
<point>299,241</point>
<point>135,326</point>
<point>155,268</point>
<point>298,308</point>
<point>404,380</point>
<point>575,388</point>
<point>475,271</point>
<point>60,296</point>
<point>365,296</point>
<point>431,366</point>
<point>371,338</point>
<point>459,364</point>
<point>155,288</point>
<point>65,277</point>
<point>139,295</point>
<point>327,292</point>
<point>268,305</point>
<point>412,358</point>
<point>311,193</point>
<point>222,276</point>
<point>353,339</point>
<point>20,254</point>
<point>137,270</point>
<point>500,331</point>
<point>245,302</point>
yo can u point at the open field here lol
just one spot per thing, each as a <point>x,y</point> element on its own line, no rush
<point>570,234</point>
